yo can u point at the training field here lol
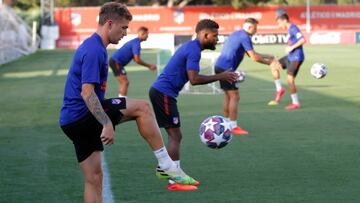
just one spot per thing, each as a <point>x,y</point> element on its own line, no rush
<point>307,155</point>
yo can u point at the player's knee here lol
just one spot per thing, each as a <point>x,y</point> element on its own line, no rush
<point>175,137</point>
<point>95,179</point>
<point>125,82</point>
<point>145,108</point>
<point>235,97</point>
<point>291,79</point>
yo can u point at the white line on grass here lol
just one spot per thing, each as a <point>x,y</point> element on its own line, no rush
<point>107,194</point>
<point>28,74</point>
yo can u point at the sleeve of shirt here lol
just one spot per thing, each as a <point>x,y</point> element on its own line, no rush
<point>136,48</point>
<point>90,67</point>
<point>247,44</point>
<point>295,31</point>
<point>193,60</point>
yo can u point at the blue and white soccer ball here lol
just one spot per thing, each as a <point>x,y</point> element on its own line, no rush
<point>241,75</point>
<point>215,132</point>
<point>318,70</point>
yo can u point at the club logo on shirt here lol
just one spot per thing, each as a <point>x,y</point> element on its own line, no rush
<point>175,120</point>
<point>115,101</point>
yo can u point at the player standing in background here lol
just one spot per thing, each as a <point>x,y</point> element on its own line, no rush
<point>119,59</point>
<point>88,119</point>
<point>181,68</point>
<point>234,49</point>
<point>291,62</point>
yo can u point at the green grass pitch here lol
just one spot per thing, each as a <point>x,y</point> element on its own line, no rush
<point>307,155</point>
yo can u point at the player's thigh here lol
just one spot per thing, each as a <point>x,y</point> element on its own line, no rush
<point>91,165</point>
<point>112,108</point>
<point>294,68</point>
<point>284,62</point>
<point>224,85</point>
<point>135,108</point>
<point>85,135</point>
<point>117,68</point>
<point>165,108</point>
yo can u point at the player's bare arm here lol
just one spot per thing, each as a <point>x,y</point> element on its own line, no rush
<point>196,79</point>
<point>260,58</point>
<point>296,45</point>
<point>94,106</point>
<point>139,61</point>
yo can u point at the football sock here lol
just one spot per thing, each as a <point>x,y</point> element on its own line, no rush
<point>278,84</point>
<point>295,98</point>
<point>120,95</point>
<point>233,124</point>
<point>165,162</point>
<point>227,119</point>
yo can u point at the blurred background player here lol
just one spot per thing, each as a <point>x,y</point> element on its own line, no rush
<point>120,58</point>
<point>291,62</point>
<point>88,119</point>
<point>232,53</point>
<point>182,67</point>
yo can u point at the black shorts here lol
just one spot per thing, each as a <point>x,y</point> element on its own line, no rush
<point>226,85</point>
<point>291,66</point>
<point>85,133</point>
<point>165,108</point>
<point>117,68</point>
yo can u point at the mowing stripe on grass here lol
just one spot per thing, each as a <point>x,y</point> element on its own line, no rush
<point>60,72</point>
<point>107,193</point>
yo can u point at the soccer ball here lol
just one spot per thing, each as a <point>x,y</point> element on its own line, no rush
<point>215,132</point>
<point>318,70</point>
<point>241,75</point>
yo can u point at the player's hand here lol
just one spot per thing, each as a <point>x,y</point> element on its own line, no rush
<point>229,76</point>
<point>107,135</point>
<point>152,67</point>
<point>288,49</point>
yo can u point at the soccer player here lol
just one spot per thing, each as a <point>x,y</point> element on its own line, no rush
<point>235,47</point>
<point>89,119</point>
<point>119,59</point>
<point>292,62</point>
<point>181,68</point>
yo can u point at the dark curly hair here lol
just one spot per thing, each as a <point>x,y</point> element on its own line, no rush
<point>206,24</point>
<point>113,11</point>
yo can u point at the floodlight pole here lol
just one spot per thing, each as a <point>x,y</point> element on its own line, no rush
<point>308,25</point>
